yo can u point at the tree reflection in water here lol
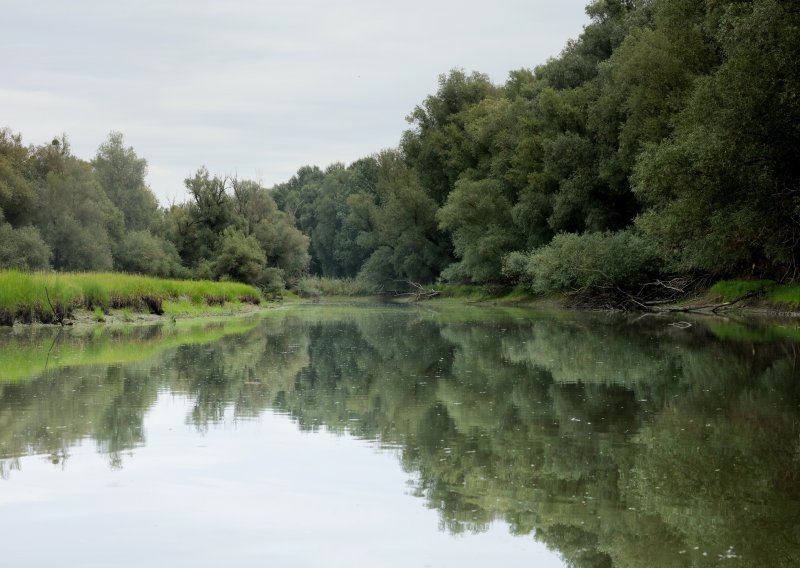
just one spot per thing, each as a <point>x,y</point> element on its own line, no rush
<point>611,441</point>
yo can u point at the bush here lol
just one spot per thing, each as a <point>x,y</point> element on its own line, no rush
<point>573,261</point>
<point>23,248</point>
<point>271,280</point>
<point>203,270</point>
<point>241,257</point>
<point>141,252</point>
<point>306,289</point>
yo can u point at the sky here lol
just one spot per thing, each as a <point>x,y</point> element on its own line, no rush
<point>253,88</point>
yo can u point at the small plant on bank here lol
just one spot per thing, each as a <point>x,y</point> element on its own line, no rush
<point>99,315</point>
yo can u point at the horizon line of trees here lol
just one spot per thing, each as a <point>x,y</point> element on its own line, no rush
<point>60,212</point>
<point>663,140</point>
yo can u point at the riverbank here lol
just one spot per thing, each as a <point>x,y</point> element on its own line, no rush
<point>114,298</point>
<point>754,297</point>
<point>66,298</point>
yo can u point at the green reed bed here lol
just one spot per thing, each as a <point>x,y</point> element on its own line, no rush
<point>50,297</point>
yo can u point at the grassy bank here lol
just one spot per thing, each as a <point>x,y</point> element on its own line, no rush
<point>51,297</point>
<point>764,292</point>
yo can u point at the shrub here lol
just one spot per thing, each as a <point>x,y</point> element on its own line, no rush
<point>141,252</point>
<point>203,270</point>
<point>306,289</point>
<point>240,257</point>
<point>271,280</point>
<point>23,248</point>
<point>573,261</point>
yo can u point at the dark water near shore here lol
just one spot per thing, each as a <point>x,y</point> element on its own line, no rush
<point>402,436</point>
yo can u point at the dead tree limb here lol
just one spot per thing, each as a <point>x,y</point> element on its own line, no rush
<point>419,292</point>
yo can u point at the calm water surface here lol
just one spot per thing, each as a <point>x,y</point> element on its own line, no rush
<point>402,436</point>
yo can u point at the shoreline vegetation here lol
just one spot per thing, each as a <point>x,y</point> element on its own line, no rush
<point>54,298</point>
<point>29,350</point>
<point>70,298</point>
<point>745,296</point>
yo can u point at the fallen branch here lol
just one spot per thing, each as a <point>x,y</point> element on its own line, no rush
<point>677,284</point>
<point>421,293</point>
<point>709,307</point>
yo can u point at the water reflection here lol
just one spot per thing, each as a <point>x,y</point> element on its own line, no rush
<point>615,442</point>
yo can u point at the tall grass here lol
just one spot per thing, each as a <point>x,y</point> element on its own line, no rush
<point>51,296</point>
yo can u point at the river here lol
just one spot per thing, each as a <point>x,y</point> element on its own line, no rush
<point>402,436</point>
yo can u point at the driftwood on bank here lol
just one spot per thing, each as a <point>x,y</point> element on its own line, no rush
<point>418,291</point>
<point>708,308</point>
<point>659,296</point>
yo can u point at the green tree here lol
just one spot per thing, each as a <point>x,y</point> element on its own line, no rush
<point>580,59</point>
<point>284,245</point>
<point>318,202</point>
<point>722,192</point>
<point>437,146</point>
<point>400,228</point>
<point>23,248</point>
<point>121,174</point>
<point>17,194</point>
<point>479,216</point>
<point>197,226</point>
<point>75,217</point>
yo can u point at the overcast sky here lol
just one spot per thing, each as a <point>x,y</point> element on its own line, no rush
<point>254,88</point>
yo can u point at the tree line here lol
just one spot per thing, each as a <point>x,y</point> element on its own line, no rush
<point>58,211</point>
<point>662,141</point>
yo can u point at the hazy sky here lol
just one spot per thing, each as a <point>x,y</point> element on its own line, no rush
<point>254,88</point>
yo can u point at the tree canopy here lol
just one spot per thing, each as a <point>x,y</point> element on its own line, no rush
<point>665,133</point>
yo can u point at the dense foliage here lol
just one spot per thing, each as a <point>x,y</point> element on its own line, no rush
<point>665,137</point>
<point>58,211</point>
<point>663,140</point>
